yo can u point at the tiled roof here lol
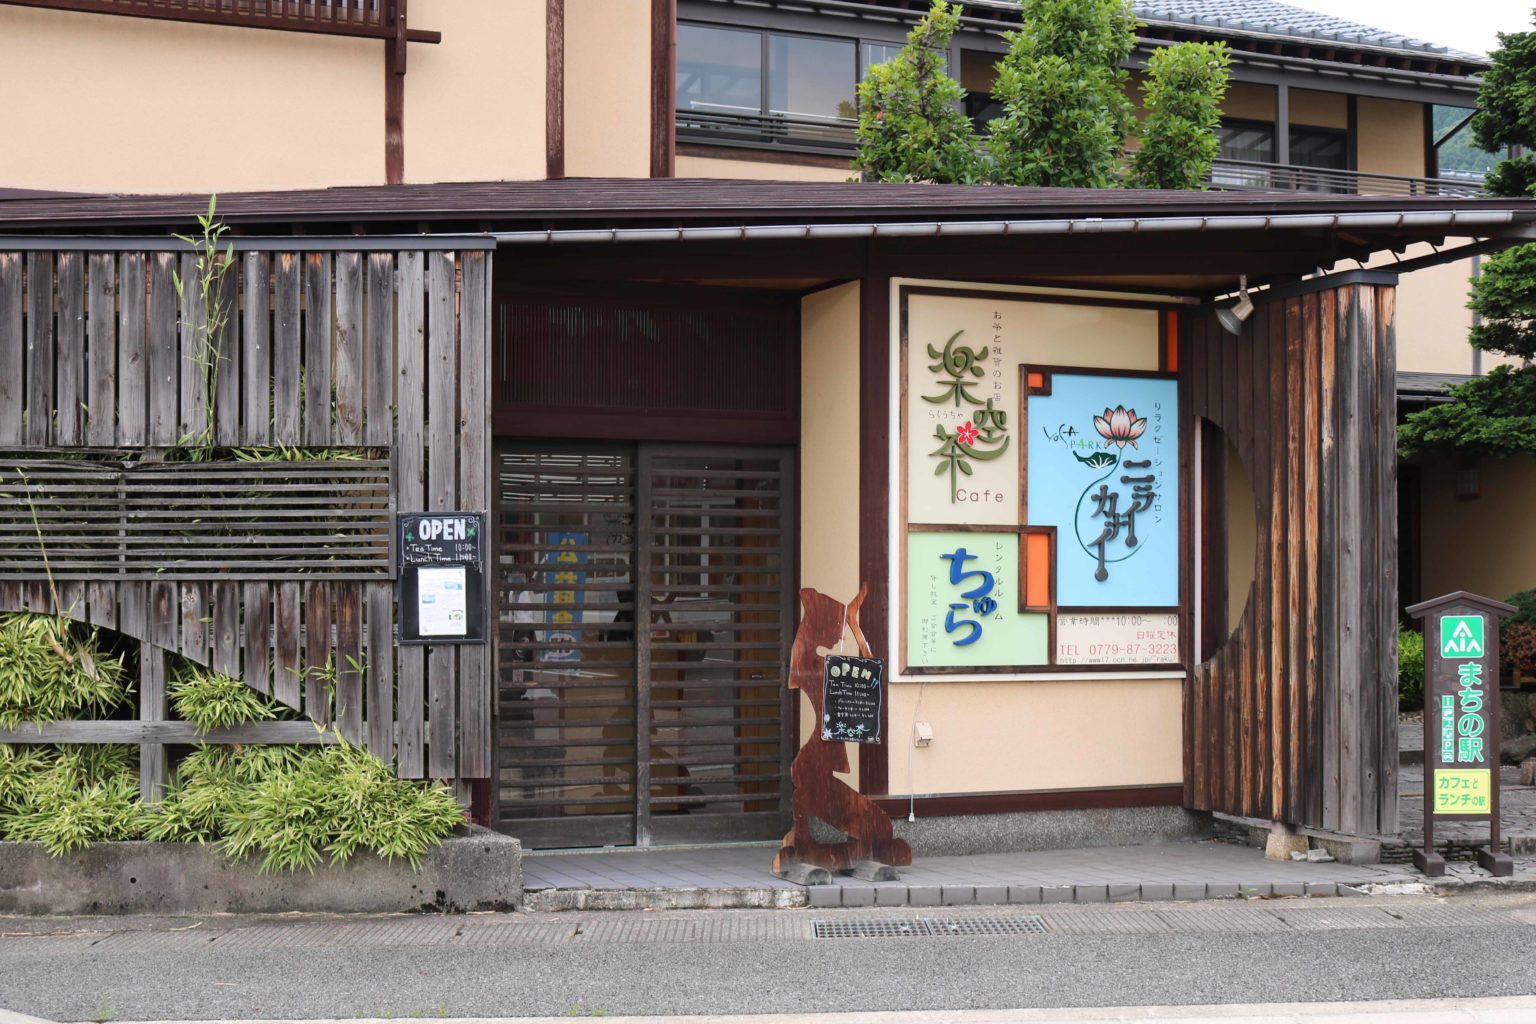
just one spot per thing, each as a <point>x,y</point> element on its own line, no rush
<point>1270,17</point>
<point>1428,387</point>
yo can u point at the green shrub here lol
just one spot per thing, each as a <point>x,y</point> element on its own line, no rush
<point>212,700</point>
<point>1410,669</point>
<point>51,670</point>
<point>69,797</point>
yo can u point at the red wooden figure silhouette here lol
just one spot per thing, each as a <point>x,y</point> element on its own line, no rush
<point>818,794</point>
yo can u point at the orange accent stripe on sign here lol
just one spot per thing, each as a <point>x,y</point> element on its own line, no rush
<point>1037,570</point>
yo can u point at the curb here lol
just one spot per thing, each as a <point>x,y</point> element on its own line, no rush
<point>894,895</point>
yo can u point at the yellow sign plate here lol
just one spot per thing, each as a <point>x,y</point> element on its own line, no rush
<point>1463,791</point>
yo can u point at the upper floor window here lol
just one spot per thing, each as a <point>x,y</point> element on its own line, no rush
<point>757,73</point>
<point>1455,153</point>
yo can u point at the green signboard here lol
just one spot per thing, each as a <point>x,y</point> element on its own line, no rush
<point>1461,636</point>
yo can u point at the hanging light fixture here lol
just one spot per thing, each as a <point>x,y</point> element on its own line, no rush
<point>1232,317</point>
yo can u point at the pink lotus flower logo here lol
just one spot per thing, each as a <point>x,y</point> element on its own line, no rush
<point>967,433</point>
<point>1120,426</point>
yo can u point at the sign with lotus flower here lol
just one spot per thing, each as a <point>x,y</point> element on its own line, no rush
<point>1103,469</point>
<point>1040,491</point>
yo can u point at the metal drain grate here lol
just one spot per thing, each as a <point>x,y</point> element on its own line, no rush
<point>1029,924</point>
<point>870,929</point>
<point>927,927</point>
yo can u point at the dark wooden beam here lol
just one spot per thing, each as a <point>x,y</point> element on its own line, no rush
<point>663,88</point>
<point>554,89</point>
<point>212,12</point>
<point>874,498</point>
<point>394,94</point>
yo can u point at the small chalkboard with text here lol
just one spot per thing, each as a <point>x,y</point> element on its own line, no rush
<point>441,584</point>
<point>854,690</point>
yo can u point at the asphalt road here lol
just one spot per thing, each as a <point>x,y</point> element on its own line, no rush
<point>1226,962</point>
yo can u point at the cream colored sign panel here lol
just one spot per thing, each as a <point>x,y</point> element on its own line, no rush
<point>962,411</point>
<point>1117,638</point>
<point>962,405</point>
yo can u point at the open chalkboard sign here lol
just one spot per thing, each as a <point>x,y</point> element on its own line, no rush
<point>853,692</point>
<point>441,588</point>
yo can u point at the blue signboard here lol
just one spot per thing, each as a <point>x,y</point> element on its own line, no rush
<point>1103,468</point>
<point>568,573</point>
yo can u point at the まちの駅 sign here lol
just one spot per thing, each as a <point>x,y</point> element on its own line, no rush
<point>1461,721</point>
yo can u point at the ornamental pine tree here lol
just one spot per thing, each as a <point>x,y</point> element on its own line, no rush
<point>1063,92</point>
<point>1496,415</point>
<point>911,127</point>
<point>1184,90</point>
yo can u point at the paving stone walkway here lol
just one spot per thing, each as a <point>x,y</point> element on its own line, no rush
<point>1517,803</point>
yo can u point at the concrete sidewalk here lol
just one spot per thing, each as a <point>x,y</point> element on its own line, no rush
<point>1509,1010</point>
<point>739,877</point>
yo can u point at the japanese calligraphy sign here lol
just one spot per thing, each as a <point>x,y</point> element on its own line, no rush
<point>962,605</point>
<point>1041,492</point>
<point>1461,720</point>
<point>1103,469</point>
<point>852,692</point>
<point>440,577</point>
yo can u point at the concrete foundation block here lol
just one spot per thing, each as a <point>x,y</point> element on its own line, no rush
<point>1349,849</point>
<point>991,895</point>
<point>1090,893</point>
<point>890,895</point>
<point>1152,891</point>
<point>1288,889</point>
<point>1281,843</point>
<point>1221,890</point>
<point>475,870</point>
<point>1253,890</point>
<point>1192,891</point>
<point>1024,894</point>
<point>1056,894</point>
<point>1522,845</point>
<point>1124,892</point>
<point>1322,889</point>
<point>924,895</point>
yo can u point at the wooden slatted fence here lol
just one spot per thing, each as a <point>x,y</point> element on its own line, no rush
<point>1293,716</point>
<point>371,357</point>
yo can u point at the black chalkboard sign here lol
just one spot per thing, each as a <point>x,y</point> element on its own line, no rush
<point>440,570</point>
<point>854,689</point>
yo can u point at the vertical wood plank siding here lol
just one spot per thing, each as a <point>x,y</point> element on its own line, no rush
<point>1291,716</point>
<point>387,350</point>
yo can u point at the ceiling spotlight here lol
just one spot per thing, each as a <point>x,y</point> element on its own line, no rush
<point>1233,316</point>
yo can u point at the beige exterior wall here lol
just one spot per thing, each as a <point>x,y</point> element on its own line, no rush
<point>829,544</point>
<point>100,103</point>
<point>1007,737</point>
<point>474,104</point>
<point>1250,102</point>
<point>1432,316</point>
<point>1320,109</point>
<point>757,170</point>
<point>1391,136</point>
<point>607,88</point>
<point>96,103</point>
<point>1505,561</point>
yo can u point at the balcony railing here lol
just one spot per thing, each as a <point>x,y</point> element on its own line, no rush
<point>377,19</point>
<point>1247,175</point>
<point>782,134</point>
<point>834,137</point>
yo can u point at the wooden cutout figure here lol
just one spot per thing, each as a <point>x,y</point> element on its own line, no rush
<point>818,794</point>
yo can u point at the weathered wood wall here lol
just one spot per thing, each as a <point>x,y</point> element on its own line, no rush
<point>380,351</point>
<point>1293,717</point>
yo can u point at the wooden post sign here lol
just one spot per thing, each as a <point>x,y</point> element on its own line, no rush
<point>845,693</point>
<point>1461,722</point>
<point>440,577</point>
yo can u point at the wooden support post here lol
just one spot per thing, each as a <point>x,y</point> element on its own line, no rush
<point>153,769</point>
